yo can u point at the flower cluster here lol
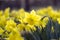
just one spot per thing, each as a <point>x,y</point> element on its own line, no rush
<point>13,23</point>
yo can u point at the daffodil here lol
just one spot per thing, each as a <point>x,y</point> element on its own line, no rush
<point>42,12</point>
<point>27,27</point>
<point>6,12</point>
<point>49,8</point>
<point>42,23</point>
<point>3,21</point>
<point>13,13</point>
<point>53,14</point>
<point>31,18</point>
<point>10,23</point>
<point>15,35</point>
<point>20,27</point>
<point>21,13</point>
<point>45,21</point>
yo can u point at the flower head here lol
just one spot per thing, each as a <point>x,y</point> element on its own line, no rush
<point>31,18</point>
<point>10,23</point>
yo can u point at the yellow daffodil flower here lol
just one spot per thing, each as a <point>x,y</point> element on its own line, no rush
<point>15,35</point>
<point>31,18</point>
<point>28,27</point>
<point>20,27</point>
<point>42,12</point>
<point>21,13</point>
<point>10,23</point>
<point>2,21</point>
<point>42,23</point>
<point>6,12</point>
<point>13,13</point>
